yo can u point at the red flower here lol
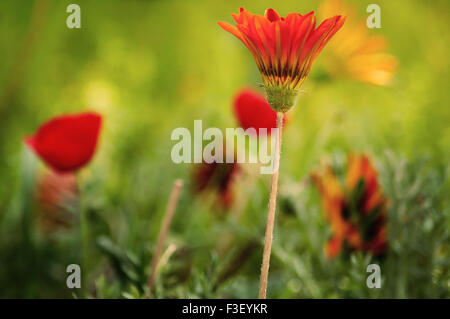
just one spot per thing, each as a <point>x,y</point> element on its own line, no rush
<point>284,48</point>
<point>253,111</point>
<point>217,179</point>
<point>357,211</point>
<point>67,143</point>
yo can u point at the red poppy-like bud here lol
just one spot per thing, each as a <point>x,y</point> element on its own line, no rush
<point>67,143</point>
<point>253,111</point>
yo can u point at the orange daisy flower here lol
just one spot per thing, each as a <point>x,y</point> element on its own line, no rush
<point>284,49</point>
<point>357,210</point>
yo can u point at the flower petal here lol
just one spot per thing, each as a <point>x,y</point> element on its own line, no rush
<point>67,143</point>
<point>252,111</point>
<point>271,15</point>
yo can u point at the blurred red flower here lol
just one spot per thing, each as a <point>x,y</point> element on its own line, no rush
<point>218,179</point>
<point>67,143</point>
<point>284,48</point>
<point>357,211</point>
<point>253,111</point>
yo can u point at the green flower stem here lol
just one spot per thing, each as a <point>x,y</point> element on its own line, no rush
<point>25,201</point>
<point>84,229</point>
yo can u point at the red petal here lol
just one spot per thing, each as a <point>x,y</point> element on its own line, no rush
<point>333,247</point>
<point>304,27</point>
<point>67,143</point>
<point>253,111</point>
<point>338,23</point>
<point>271,15</point>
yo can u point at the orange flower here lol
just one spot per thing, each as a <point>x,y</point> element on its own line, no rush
<point>356,52</point>
<point>357,210</point>
<point>284,49</point>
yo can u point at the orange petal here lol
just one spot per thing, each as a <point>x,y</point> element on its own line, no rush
<point>232,29</point>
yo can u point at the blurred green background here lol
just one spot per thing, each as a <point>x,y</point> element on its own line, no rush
<point>151,66</point>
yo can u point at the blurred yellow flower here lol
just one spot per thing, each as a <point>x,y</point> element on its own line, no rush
<point>355,52</point>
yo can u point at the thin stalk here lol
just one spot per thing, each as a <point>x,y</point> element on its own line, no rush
<point>84,236</point>
<point>271,214</point>
<point>165,225</point>
<point>28,249</point>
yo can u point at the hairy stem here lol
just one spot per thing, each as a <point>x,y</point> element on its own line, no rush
<point>271,214</point>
